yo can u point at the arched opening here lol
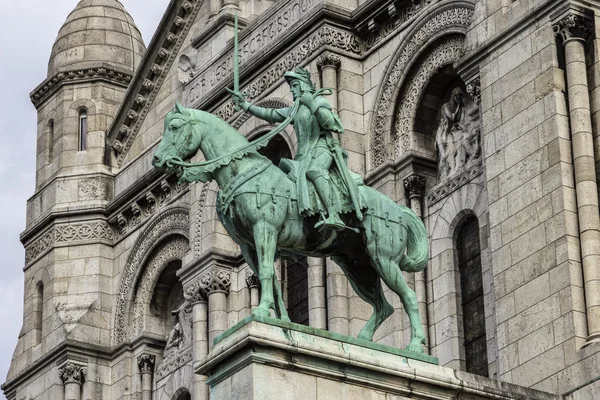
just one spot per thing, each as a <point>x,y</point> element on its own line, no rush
<point>167,296</point>
<point>38,312</point>
<point>50,141</point>
<point>185,395</point>
<point>297,290</point>
<point>472,299</point>
<point>83,129</point>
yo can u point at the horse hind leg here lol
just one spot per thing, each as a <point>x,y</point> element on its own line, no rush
<point>367,285</point>
<point>392,276</point>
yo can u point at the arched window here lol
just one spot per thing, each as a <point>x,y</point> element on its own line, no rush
<point>50,141</point>
<point>471,284</point>
<point>297,290</point>
<point>83,129</point>
<point>38,311</point>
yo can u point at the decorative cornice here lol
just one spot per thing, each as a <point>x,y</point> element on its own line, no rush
<point>414,186</point>
<point>160,55</point>
<point>103,73</point>
<point>72,373</point>
<point>573,26</point>
<point>146,363</point>
<point>173,363</point>
<point>251,278</point>
<point>67,234</point>
<point>455,182</point>
<point>328,60</point>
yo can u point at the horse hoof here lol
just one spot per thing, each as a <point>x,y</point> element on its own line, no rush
<point>415,348</point>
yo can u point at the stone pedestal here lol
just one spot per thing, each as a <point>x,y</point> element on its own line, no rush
<point>263,358</point>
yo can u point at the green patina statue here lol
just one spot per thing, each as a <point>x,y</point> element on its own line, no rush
<point>312,205</point>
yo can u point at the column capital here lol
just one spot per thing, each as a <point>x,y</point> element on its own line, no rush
<point>195,292</point>
<point>72,373</point>
<point>251,278</point>
<point>572,26</point>
<point>474,89</point>
<point>414,186</point>
<point>216,279</point>
<point>146,363</point>
<point>328,60</point>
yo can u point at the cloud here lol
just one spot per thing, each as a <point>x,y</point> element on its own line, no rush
<point>28,29</point>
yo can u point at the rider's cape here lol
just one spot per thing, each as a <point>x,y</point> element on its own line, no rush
<point>313,137</point>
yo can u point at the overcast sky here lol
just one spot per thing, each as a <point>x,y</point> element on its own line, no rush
<point>27,32</point>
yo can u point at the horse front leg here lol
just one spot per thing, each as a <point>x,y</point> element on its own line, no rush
<point>265,242</point>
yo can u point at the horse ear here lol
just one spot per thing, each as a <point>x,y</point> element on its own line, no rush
<point>180,109</point>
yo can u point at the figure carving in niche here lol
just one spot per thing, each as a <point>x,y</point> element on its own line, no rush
<point>181,334</point>
<point>457,136</point>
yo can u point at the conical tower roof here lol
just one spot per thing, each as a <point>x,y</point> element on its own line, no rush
<point>96,33</point>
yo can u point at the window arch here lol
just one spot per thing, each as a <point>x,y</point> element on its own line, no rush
<point>83,129</point>
<point>471,285</point>
<point>38,311</point>
<point>297,290</point>
<point>50,145</point>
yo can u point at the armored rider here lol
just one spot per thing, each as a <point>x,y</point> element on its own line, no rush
<point>318,152</point>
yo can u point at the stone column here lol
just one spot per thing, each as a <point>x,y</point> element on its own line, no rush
<point>317,304</point>
<point>337,299</point>
<point>414,186</point>
<point>146,366</point>
<point>196,295</point>
<point>73,376</point>
<point>254,286</point>
<point>215,7</point>
<point>216,282</point>
<point>574,29</point>
<point>328,65</point>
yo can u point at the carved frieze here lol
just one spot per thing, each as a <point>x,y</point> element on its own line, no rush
<point>198,231</point>
<point>175,220</point>
<point>457,14</point>
<point>325,36</point>
<point>573,26</point>
<point>456,182</point>
<point>72,373</point>
<point>173,363</point>
<point>67,234</point>
<point>145,206</point>
<point>146,363</point>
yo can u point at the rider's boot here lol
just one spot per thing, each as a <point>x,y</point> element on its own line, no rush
<point>333,220</point>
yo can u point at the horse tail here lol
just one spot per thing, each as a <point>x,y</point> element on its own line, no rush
<point>417,246</point>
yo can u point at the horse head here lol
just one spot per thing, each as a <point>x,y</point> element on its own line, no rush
<point>181,138</point>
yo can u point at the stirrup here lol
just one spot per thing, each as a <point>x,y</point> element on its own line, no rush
<point>331,223</point>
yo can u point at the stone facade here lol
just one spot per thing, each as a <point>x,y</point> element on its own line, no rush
<point>480,115</point>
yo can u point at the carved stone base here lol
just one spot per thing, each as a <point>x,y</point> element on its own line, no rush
<point>266,359</point>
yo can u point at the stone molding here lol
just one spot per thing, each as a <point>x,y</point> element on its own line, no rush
<point>72,373</point>
<point>173,363</point>
<point>251,278</point>
<point>171,249</point>
<point>328,60</point>
<point>198,231</point>
<point>128,217</point>
<point>172,221</point>
<point>453,17</point>
<point>414,186</point>
<point>150,75</point>
<point>573,26</point>
<point>455,182</point>
<point>326,36</point>
<point>146,363</point>
<point>67,234</point>
<point>446,51</point>
<point>51,85</point>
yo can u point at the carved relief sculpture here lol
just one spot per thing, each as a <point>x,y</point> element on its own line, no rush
<point>181,334</point>
<point>457,136</point>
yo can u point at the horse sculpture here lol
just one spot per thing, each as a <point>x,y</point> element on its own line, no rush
<point>256,204</point>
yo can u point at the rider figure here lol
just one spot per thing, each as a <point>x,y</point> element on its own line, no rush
<point>314,123</point>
